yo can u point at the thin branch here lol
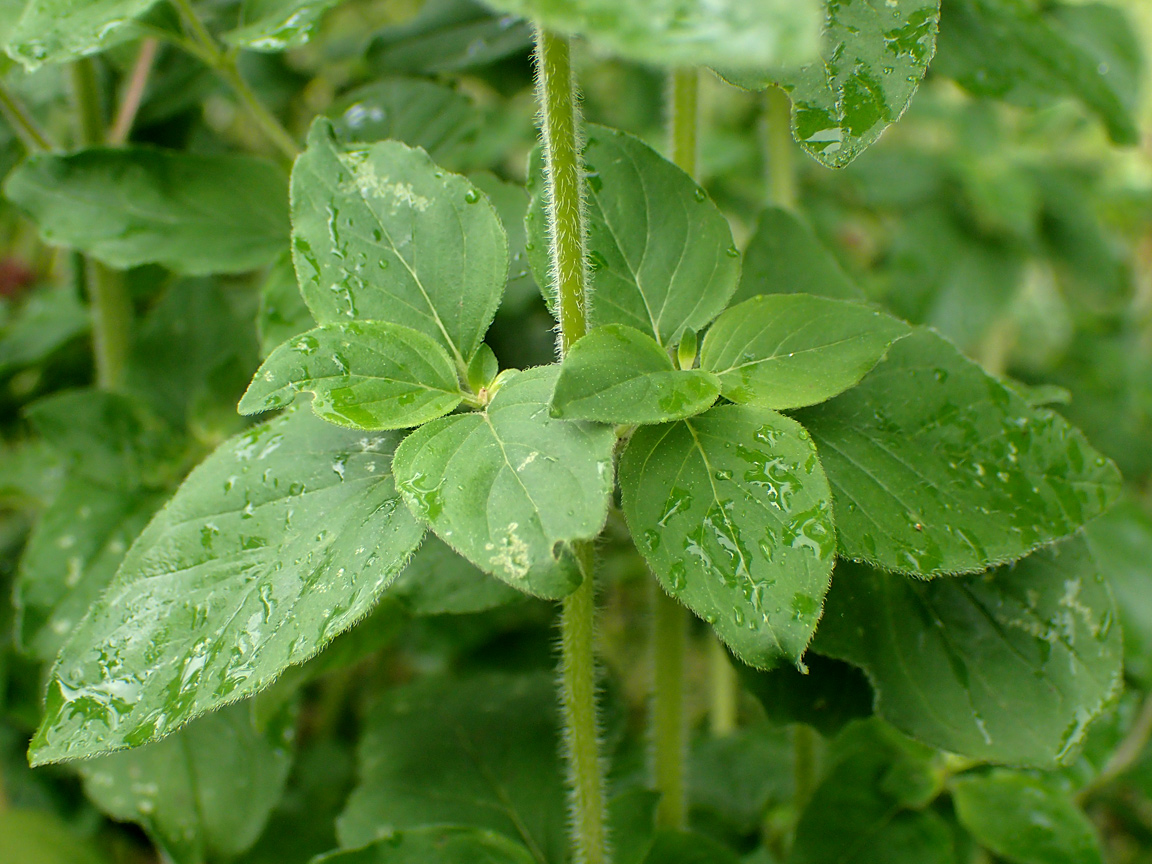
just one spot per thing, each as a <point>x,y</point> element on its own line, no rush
<point>133,93</point>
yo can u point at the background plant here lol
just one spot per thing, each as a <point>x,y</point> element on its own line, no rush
<point>523,364</point>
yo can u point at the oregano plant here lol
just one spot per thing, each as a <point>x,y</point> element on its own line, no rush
<point>479,433</point>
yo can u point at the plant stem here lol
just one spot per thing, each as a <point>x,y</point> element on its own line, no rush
<point>18,117</point>
<point>669,731</point>
<point>133,93</point>
<point>560,132</point>
<point>722,712</point>
<point>224,62</point>
<point>110,305</point>
<point>803,764</point>
<point>684,101</point>
<point>781,150</point>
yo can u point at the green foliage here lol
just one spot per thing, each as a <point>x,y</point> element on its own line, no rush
<point>436,846</point>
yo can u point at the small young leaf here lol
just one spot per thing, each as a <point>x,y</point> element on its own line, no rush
<point>937,467</point>
<point>867,809</point>
<point>661,253</point>
<point>790,350</point>
<point>617,374</point>
<point>438,845</point>
<point>56,31</point>
<point>277,25</point>
<point>437,581</point>
<point>364,374</point>
<point>1025,818</point>
<point>785,257</point>
<point>1008,666</point>
<point>483,369</point>
<point>509,488</point>
<point>479,751</point>
<point>686,32</point>
<point>193,213</point>
<point>732,511</point>
<point>203,793</point>
<point>219,594</point>
<point>381,233</point>
<point>875,54</point>
<point>283,312</point>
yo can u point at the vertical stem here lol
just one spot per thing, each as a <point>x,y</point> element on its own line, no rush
<point>18,117</point>
<point>133,93</point>
<point>781,150</point>
<point>110,304</point>
<point>803,764</point>
<point>669,730</point>
<point>725,690</point>
<point>561,137</point>
<point>684,100</point>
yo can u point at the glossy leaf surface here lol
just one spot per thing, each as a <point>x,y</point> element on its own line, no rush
<point>56,31</point>
<point>617,374</point>
<point>937,467</point>
<point>1025,819</point>
<point>874,56</point>
<point>381,233</point>
<point>790,350</point>
<point>510,488</point>
<point>193,213</point>
<point>437,581</point>
<point>364,374</point>
<point>479,751</point>
<point>1009,666</point>
<point>436,846</point>
<point>277,25</point>
<point>685,32</point>
<point>661,253</point>
<point>732,512</point>
<point>280,540</point>
<point>203,793</point>
<point>867,808</point>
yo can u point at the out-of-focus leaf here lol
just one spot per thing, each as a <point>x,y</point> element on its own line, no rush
<point>283,312</point>
<point>437,581</point>
<point>277,25</point>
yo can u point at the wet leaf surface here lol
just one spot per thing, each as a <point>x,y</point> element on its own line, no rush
<point>277,25</point>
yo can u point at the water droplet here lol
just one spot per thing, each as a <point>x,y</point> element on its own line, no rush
<point>471,196</point>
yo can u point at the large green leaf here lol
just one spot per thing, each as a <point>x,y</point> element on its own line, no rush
<point>732,511</point>
<point>480,751</point>
<point>875,54</point>
<point>510,488</point>
<point>437,581</point>
<point>193,213</point>
<point>364,374</point>
<point>203,793</point>
<point>785,257</point>
<point>660,252</point>
<point>283,538</point>
<point>617,374</point>
<point>56,31</point>
<point>1025,819</point>
<point>381,233</point>
<point>937,467</point>
<point>277,25</point>
<point>446,845</point>
<point>868,810</point>
<point>1007,49</point>
<point>1008,666</point>
<point>790,350</point>
<point>685,32</point>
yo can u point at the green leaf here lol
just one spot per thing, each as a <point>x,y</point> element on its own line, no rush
<point>277,25</point>
<point>203,793</point>
<point>732,512</point>
<point>48,320</point>
<point>437,581</point>
<point>790,350</point>
<point>381,233</point>
<point>364,374</point>
<point>220,593</point>
<point>511,203</point>
<point>41,837</point>
<point>1008,666</point>
<point>685,32</point>
<point>417,112</point>
<point>509,488</point>
<point>57,31</point>
<point>875,54</point>
<point>483,369</point>
<point>785,257</point>
<point>441,845</point>
<point>866,810</point>
<point>1007,49</point>
<point>937,467</point>
<point>283,312</point>
<point>479,751</point>
<point>738,776</point>
<point>193,213</point>
<point>1025,819</point>
<point>684,847</point>
<point>661,253</point>
<point>617,374</point>
<point>827,697</point>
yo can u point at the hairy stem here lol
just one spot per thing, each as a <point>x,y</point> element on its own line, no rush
<point>133,93</point>
<point>18,117</point>
<point>224,62</point>
<point>781,150</point>
<point>560,132</point>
